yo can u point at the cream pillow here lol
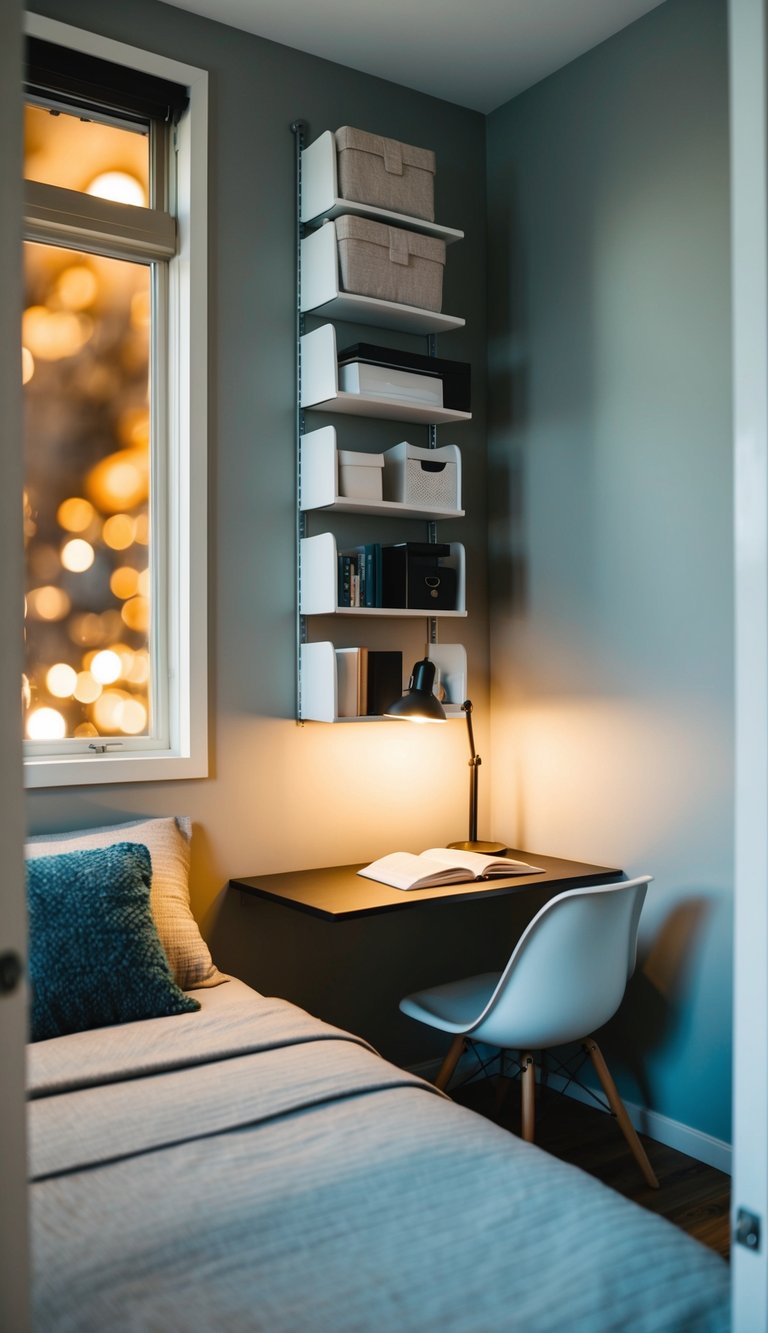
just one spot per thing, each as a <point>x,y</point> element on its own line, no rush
<point>169,841</point>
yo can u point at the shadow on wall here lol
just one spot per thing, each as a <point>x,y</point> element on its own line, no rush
<point>652,1008</point>
<point>507,408</point>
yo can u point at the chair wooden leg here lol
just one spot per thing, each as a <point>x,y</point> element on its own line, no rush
<point>529,1095</point>
<point>455,1052</point>
<point>620,1112</point>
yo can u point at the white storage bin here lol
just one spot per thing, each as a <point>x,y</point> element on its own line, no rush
<point>390,263</point>
<point>386,173</point>
<point>360,475</point>
<point>416,476</point>
<point>390,382</point>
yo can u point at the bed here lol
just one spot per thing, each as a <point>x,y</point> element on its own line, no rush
<point>241,1165</point>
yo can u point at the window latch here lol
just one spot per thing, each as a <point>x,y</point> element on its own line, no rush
<point>104,746</point>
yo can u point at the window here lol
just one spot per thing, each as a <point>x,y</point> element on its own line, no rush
<point>114,688</point>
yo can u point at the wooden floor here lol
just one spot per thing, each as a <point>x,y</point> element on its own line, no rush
<point>693,1196</point>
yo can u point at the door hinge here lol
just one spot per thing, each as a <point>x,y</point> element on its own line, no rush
<point>747,1231</point>
<point>11,969</point>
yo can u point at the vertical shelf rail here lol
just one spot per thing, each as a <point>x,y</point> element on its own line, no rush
<point>298,129</point>
<point>432,525</point>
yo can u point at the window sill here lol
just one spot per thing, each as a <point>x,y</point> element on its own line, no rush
<point>97,769</point>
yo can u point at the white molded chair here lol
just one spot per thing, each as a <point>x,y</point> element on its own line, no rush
<point>566,976</point>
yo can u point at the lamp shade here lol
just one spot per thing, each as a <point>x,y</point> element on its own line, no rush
<point>419,703</point>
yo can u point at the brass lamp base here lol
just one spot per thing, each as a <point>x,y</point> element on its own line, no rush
<point>485,848</point>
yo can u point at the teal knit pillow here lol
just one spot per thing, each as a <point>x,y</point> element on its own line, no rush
<point>95,956</point>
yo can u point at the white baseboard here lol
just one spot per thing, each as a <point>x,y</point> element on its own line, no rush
<point>683,1138</point>
<point>673,1133</point>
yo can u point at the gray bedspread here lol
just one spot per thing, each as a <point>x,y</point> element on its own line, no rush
<point>250,1168</point>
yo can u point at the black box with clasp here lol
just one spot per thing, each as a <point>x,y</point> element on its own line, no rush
<point>415,577</point>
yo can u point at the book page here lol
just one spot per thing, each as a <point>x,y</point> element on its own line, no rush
<point>404,870</point>
<point>479,864</point>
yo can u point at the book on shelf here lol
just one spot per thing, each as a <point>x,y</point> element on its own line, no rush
<point>443,865</point>
<point>384,680</point>
<point>359,576</point>
<point>348,682</point>
<point>368,681</point>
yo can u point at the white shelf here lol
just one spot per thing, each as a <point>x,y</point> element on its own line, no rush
<point>320,388</point>
<point>318,469</point>
<point>319,584</point>
<point>319,681</point>
<point>321,293</point>
<point>320,195</point>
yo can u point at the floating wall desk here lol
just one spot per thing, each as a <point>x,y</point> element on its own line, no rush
<point>337,893</point>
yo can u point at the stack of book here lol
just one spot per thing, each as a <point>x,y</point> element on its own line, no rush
<point>369,681</point>
<point>406,574</point>
<point>359,576</point>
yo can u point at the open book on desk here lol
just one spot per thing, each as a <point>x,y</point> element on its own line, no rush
<point>442,865</point>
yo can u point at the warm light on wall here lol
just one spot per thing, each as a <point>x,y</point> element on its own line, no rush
<point>640,767</point>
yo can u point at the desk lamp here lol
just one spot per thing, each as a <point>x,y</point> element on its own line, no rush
<point>420,705</point>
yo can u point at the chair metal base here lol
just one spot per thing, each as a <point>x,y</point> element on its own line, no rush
<point>528,1090</point>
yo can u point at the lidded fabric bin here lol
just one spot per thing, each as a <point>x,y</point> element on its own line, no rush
<point>385,173</point>
<point>390,263</point>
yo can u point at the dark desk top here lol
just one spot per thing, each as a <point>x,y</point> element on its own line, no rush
<point>338,892</point>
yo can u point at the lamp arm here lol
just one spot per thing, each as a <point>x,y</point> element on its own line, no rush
<point>466,708</point>
<point>474,764</point>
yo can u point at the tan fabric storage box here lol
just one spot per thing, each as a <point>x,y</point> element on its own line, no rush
<point>386,173</point>
<point>390,263</point>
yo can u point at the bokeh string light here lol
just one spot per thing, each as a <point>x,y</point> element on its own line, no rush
<point>85,368</point>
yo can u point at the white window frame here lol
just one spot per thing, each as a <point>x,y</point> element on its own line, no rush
<point>185,753</point>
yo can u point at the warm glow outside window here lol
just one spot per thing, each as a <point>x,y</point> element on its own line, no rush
<point>87,345</point>
<point>115,584</point>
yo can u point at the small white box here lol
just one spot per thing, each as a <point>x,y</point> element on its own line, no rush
<point>389,382</point>
<point>415,476</point>
<point>360,475</point>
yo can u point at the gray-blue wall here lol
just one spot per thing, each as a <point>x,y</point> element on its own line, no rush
<point>609,532</point>
<point>611,528</point>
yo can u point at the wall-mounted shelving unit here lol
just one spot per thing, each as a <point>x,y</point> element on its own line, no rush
<point>320,296</point>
